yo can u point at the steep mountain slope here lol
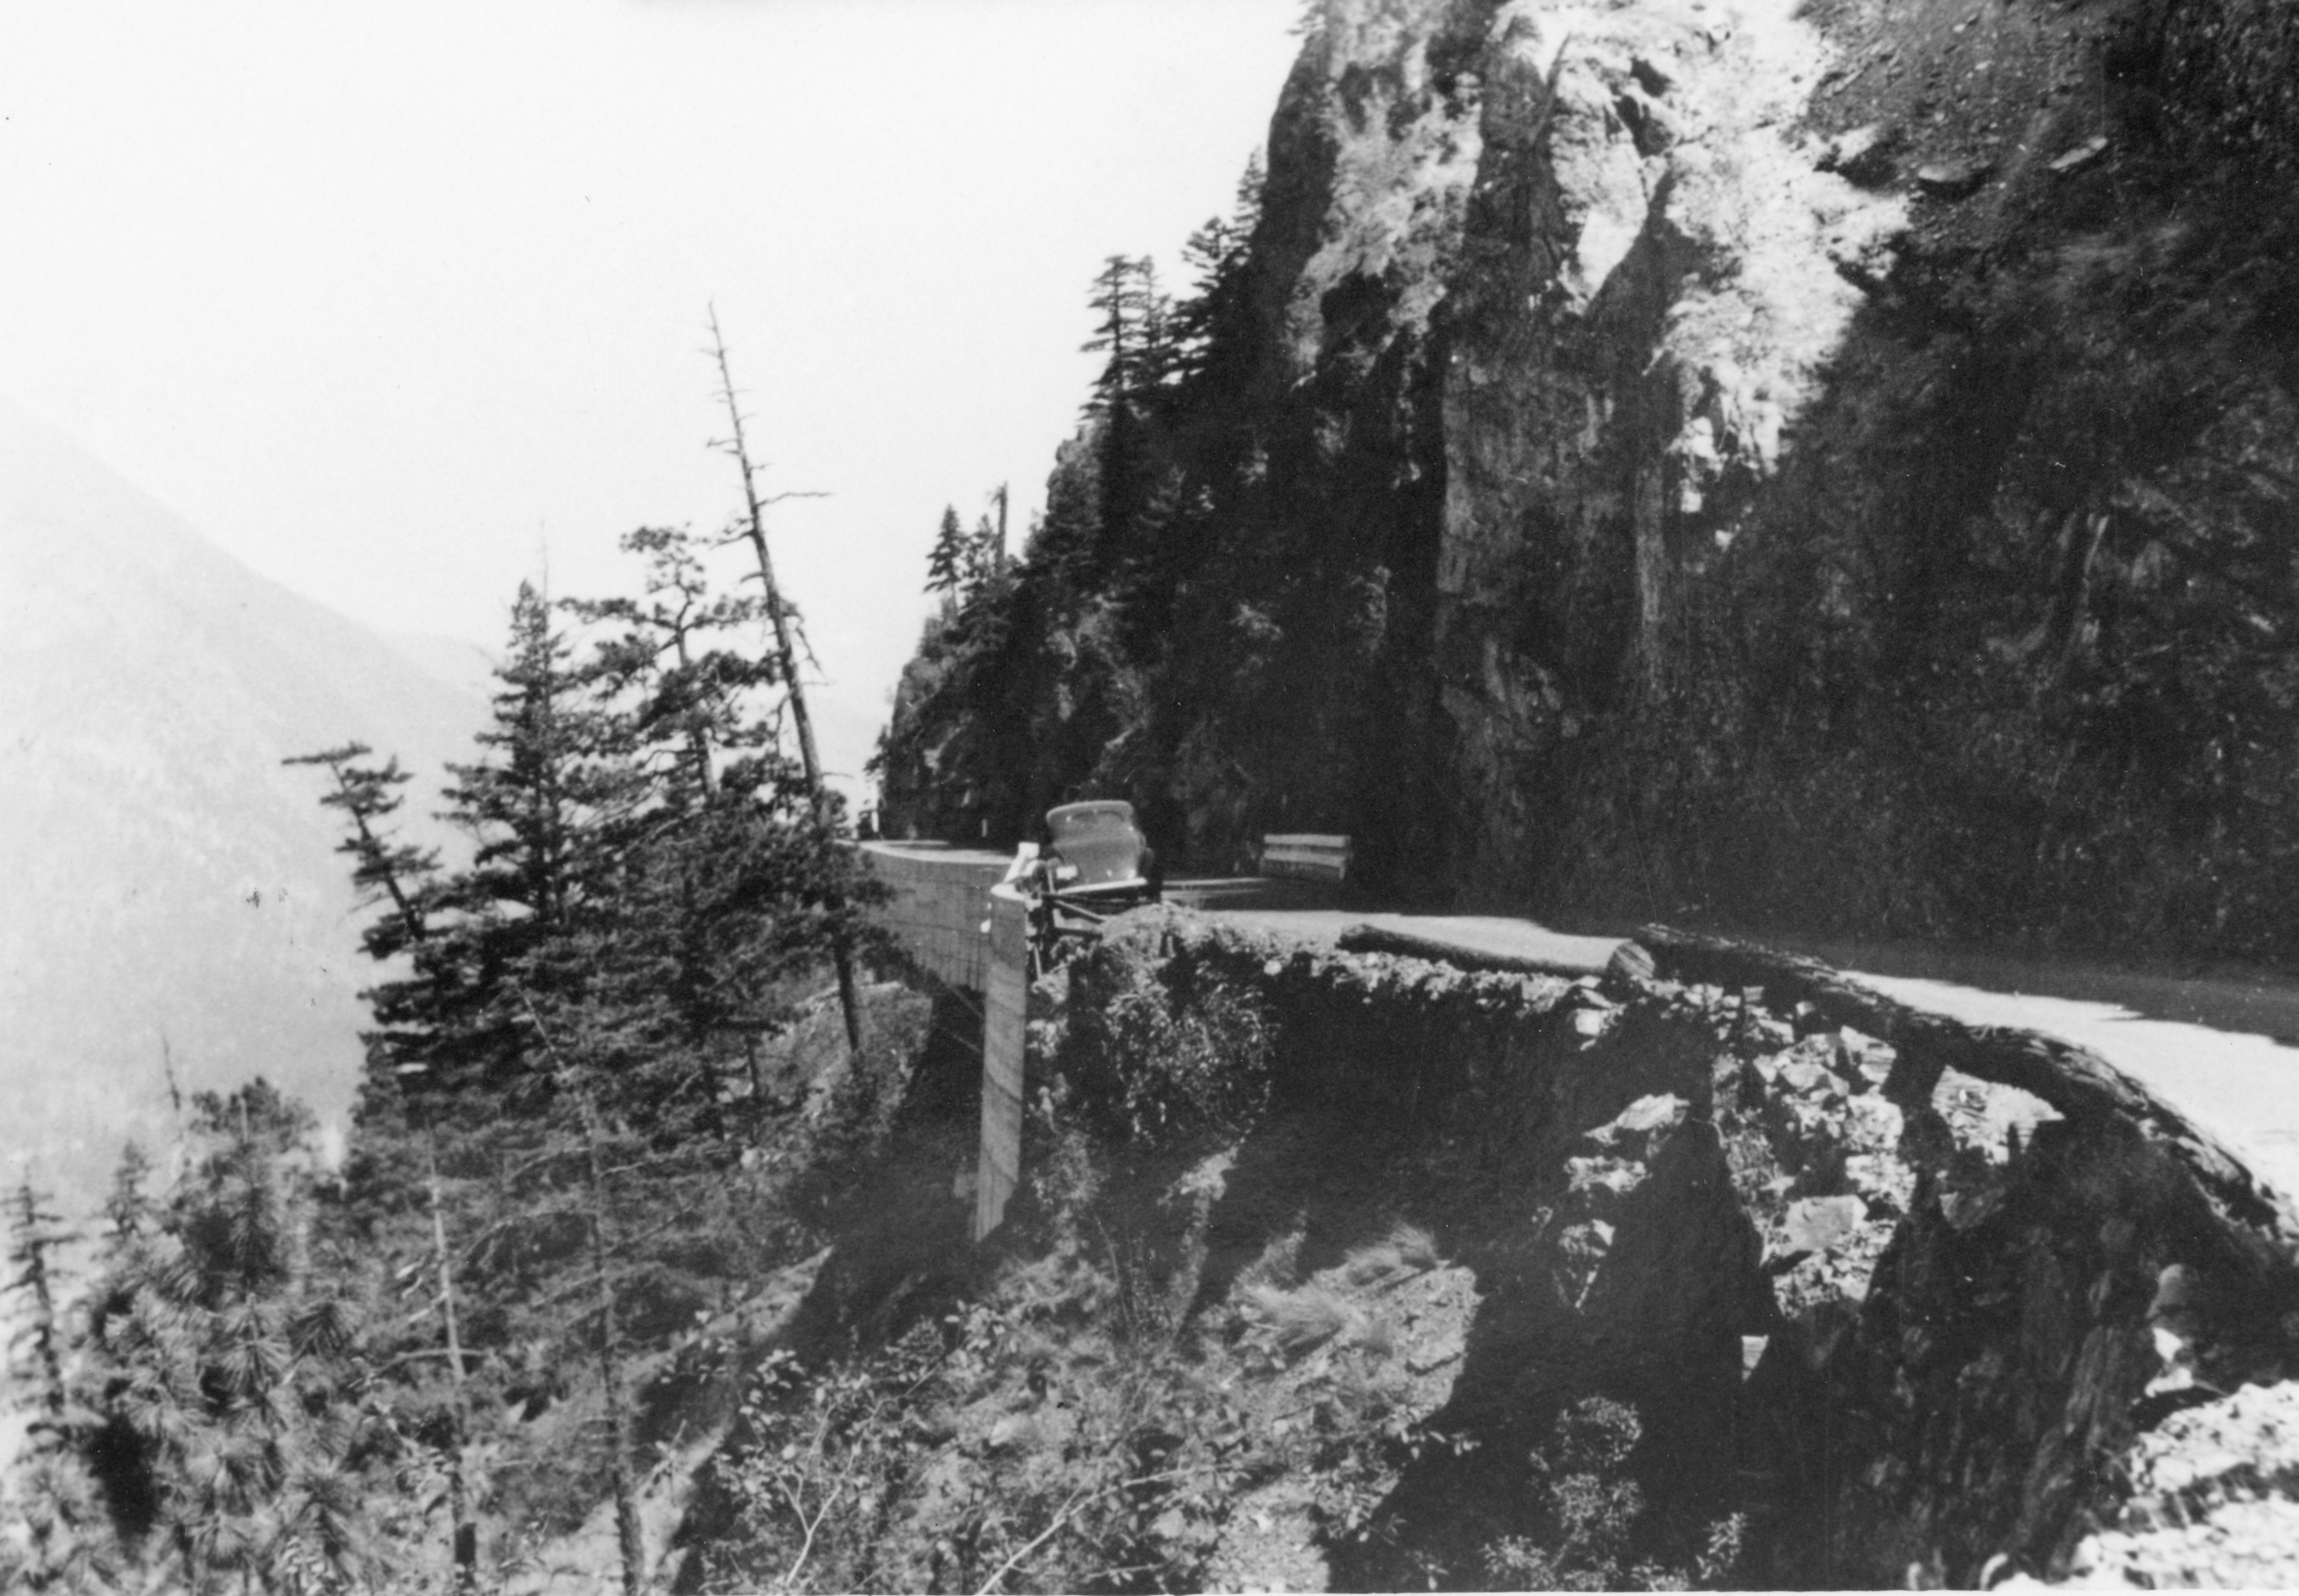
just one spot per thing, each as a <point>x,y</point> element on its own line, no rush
<point>171,889</point>
<point>1831,464</point>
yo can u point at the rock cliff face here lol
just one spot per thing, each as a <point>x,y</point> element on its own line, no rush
<point>1651,295</point>
<point>1866,444</point>
<point>1831,464</point>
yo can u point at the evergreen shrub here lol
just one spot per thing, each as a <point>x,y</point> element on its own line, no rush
<point>1164,1053</point>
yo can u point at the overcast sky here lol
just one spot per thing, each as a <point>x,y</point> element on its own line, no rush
<point>388,299</point>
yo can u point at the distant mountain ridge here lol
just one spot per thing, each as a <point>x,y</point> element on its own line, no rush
<point>167,883</point>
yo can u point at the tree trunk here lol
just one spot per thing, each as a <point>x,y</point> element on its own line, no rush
<point>628,1538</point>
<point>466,1543</point>
<point>997,566</point>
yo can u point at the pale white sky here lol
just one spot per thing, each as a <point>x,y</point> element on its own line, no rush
<point>387,297</point>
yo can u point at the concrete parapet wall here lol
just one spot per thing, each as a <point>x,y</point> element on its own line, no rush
<point>940,906</point>
<point>950,917</point>
<point>1006,1001</point>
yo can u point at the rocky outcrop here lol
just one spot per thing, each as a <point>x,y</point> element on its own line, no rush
<point>1656,276</point>
<point>1918,1307</point>
<point>1790,357</point>
<point>2212,1501</point>
<point>1864,434</point>
<point>1824,464</point>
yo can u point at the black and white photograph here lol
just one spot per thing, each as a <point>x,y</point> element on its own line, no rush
<point>1121,796</point>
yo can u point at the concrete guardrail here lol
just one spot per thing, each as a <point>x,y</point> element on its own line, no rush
<point>951,914</point>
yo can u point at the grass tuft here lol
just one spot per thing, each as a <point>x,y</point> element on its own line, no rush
<point>1278,1264</point>
<point>1299,1318</point>
<point>1406,1250</point>
<point>1416,1249</point>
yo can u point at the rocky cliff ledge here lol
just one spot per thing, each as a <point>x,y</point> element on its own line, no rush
<point>1919,1303</point>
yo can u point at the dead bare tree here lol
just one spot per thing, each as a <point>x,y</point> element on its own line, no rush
<point>753,530</point>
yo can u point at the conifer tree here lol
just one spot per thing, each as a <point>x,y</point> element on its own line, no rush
<point>127,1207</point>
<point>962,562</point>
<point>652,887</point>
<point>548,809</point>
<point>387,870</point>
<point>946,565</point>
<point>1117,300</point>
<point>730,887</point>
<point>1135,331</point>
<point>36,1234</point>
<point>383,867</point>
<point>991,535</point>
<point>686,686</point>
<point>221,1362</point>
<point>548,806</point>
<point>1213,326</point>
<point>62,1539</point>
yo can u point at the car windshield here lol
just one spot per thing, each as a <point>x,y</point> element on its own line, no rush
<point>1101,819</point>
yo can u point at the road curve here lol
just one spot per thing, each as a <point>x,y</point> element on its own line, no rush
<point>2209,1043</point>
<point>2213,1046</point>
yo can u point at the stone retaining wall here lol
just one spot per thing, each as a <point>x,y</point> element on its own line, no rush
<point>1905,1301</point>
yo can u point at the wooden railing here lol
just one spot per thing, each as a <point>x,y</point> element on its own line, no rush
<point>1305,855</point>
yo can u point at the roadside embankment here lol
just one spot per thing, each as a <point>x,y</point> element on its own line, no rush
<point>1906,1295</point>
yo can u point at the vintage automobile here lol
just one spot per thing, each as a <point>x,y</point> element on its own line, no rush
<point>1093,863</point>
<point>1099,852</point>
